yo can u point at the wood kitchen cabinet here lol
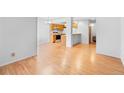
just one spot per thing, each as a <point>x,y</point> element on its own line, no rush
<point>63,40</point>
<point>53,38</point>
<point>59,27</point>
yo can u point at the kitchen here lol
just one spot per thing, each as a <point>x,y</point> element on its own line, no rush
<point>67,31</point>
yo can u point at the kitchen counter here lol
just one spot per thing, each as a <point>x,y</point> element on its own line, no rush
<point>76,38</point>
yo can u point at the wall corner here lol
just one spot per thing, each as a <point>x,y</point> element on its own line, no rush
<point>122,60</point>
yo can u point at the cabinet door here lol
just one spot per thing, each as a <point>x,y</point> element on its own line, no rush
<point>53,39</point>
<point>63,40</point>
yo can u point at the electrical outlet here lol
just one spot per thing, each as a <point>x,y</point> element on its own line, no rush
<point>13,54</point>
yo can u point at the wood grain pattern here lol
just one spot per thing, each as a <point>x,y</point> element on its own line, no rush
<point>58,60</point>
<point>59,27</point>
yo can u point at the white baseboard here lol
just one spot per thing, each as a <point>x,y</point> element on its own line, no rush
<point>17,60</point>
<point>107,54</point>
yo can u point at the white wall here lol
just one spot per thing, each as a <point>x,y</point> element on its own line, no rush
<point>83,29</point>
<point>122,40</point>
<point>43,30</point>
<point>93,29</point>
<point>108,36</point>
<point>69,36</point>
<point>17,34</point>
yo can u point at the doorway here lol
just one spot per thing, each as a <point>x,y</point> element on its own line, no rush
<point>92,33</point>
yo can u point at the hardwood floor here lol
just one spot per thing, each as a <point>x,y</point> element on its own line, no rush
<point>58,60</point>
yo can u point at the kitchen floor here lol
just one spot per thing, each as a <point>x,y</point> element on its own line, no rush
<point>55,59</point>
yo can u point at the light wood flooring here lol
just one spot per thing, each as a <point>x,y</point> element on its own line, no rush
<point>54,59</point>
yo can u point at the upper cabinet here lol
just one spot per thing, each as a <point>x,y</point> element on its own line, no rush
<point>59,27</point>
<point>75,25</point>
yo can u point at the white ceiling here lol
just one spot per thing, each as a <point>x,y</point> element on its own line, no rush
<point>74,18</point>
<point>50,18</point>
<point>83,18</point>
